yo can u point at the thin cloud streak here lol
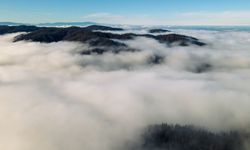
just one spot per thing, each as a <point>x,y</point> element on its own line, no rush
<point>185,18</point>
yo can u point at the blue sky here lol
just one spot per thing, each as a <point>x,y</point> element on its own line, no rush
<point>180,12</point>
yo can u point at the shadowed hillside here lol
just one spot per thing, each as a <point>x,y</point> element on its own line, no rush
<point>176,137</point>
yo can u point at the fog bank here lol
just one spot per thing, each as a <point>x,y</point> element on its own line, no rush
<point>53,98</point>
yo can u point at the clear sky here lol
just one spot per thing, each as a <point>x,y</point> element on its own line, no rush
<point>180,12</point>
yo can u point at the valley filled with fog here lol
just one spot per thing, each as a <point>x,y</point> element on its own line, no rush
<point>54,98</point>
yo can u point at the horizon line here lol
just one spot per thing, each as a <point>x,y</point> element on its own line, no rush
<point>92,22</point>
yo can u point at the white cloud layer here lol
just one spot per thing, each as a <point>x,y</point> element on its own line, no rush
<point>52,98</point>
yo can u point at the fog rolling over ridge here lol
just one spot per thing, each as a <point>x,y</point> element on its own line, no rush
<point>54,98</point>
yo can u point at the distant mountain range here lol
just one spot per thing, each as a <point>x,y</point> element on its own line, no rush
<point>68,24</point>
<point>101,42</point>
<point>51,24</point>
<point>11,23</point>
<point>172,27</point>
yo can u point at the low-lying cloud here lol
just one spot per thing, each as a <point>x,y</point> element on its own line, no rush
<point>53,98</point>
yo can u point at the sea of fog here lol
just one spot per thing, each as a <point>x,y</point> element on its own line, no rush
<point>53,98</point>
<point>211,28</point>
